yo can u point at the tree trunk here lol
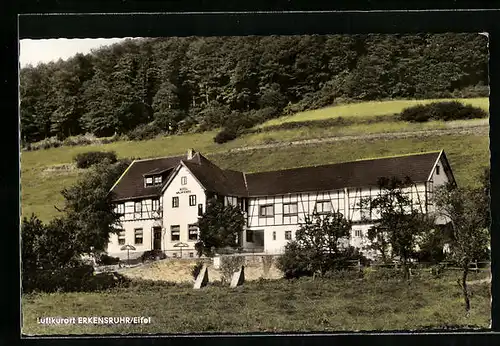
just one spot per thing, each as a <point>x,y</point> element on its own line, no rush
<point>464,288</point>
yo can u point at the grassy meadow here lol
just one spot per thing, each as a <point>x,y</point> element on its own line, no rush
<point>374,108</point>
<point>322,305</point>
<point>468,153</point>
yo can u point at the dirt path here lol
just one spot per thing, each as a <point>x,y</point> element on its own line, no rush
<point>480,128</point>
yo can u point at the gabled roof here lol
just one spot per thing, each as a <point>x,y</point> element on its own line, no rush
<point>131,184</point>
<point>362,173</point>
<point>215,179</point>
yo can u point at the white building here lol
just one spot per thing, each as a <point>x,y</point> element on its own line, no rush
<point>161,199</point>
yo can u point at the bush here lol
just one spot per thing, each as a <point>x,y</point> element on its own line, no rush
<point>153,255</point>
<point>71,279</point>
<point>294,263</point>
<point>445,111</point>
<point>197,269</point>
<point>90,158</point>
<point>229,265</point>
<point>47,143</point>
<point>418,113</point>
<point>226,135</point>
<point>144,132</point>
<point>106,260</point>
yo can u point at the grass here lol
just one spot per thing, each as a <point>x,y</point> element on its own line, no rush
<point>40,190</point>
<point>375,108</point>
<point>268,306</point>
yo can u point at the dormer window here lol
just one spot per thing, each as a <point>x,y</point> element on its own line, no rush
<point>152,181</point>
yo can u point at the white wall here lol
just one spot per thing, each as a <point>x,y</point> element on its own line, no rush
<point>129,227</point>
<point>306,203</point>
<point>184,214</point>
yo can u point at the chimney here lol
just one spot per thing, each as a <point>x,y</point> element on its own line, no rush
<point>190,154</point>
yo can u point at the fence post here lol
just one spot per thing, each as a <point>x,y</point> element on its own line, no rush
<point>359,264</point>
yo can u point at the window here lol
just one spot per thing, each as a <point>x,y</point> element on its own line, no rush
<point>437,169</point>
<point>175,202</point>
<point>137,207</point>
<point>120,208</point>
<point>174,255</point>
<point>192,200</point>
<point>191,254</point>
<point>149,181</point>
<point>290,209</point>
<point>138,210</point>
<point>155,204</point>
<point>274,235</point>
<point>184,180</point>
<point>193,232</point>
<point>138,236</point>
<point>249,236</point>
<point>358,233</point>
<point>175,233</point>
<point>158,180</point>
<point>288,235</point>
<point>200,209</point>
<point>266,210</point>
<point>121,238</point>
<point>323,207</point>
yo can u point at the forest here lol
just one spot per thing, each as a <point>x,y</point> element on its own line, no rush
<point>175,85</point>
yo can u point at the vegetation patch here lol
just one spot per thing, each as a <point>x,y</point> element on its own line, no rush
<point>301,305</point>
<point>90,158</point>
<point>445,111</point>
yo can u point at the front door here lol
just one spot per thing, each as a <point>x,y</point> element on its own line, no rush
<point>156,238</point>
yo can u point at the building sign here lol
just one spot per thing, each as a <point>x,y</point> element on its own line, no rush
<point>183,190</point>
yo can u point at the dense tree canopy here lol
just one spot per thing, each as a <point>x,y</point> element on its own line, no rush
<point>199,82</point>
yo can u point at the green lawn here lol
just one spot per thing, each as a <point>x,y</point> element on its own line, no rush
<point>269,306</point>
<point>375,108</point>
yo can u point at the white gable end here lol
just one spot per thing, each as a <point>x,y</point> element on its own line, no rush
<point>182,198</point>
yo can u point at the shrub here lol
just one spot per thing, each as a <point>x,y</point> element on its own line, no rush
<point>47,143</point>
<point>226,135</point>
<point>144,131</point>
<point>106,260</point>
<point>445,111</point>
<point>229,265</point>
<point>418,113</point>
<point>90,158</point>
<point>197,269</point>
<point>294,262</point>
<point>71,279</point>
<point>153,255</point>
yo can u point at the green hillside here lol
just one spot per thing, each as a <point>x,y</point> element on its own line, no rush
<point>365,109</point>
<point>42,181</point>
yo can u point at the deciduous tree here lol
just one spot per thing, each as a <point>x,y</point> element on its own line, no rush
<point>220,226</point>
<point>464,209</point>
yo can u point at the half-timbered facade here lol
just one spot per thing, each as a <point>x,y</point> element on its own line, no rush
<point>161,199</point>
